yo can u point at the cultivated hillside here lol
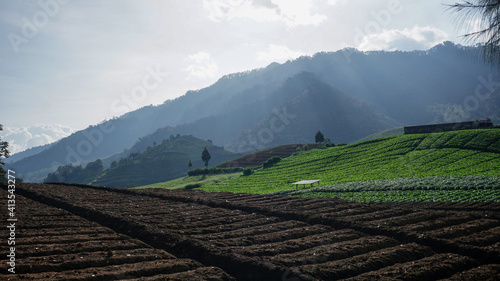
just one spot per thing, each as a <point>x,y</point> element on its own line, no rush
<point>351,93</point>
<point>256,159</point>
<point>457,153</point>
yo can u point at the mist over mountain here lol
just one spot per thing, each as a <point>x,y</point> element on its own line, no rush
<point>346,94</point>
<point>21,139</point>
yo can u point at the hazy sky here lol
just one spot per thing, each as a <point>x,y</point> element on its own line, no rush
<point>78,62</point>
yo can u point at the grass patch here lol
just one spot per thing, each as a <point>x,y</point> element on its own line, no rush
<point>413,196</point>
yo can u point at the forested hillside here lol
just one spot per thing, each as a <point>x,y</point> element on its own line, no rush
<point>161,162</point>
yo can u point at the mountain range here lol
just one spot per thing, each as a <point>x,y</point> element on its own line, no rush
<point>347,94</point>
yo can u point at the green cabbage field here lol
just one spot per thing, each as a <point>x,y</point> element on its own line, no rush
<point>433,167</point>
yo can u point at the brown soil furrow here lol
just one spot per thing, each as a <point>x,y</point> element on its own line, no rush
<point>179,214</point>
<point>278,236</point>
<point>489,272</point>
<point>115,272</point>
<point>252,228</point>
<point>441,222</point>
<point>89,259</point>
<point>36,250</point>
<point>482,239</point>
<point>350,267</point>
<point>333,251</point>
<point>212,225</point>
<point>430,268</point>
<point>464,229</point>
<point>308,205</point>
<point>299,244</point>
<point>361,215</point>
<point>170,211</point>
<point>66,239</point>
<point>343,215</point>
<point>404,220</point>
<point>198,274</point>
<point>204,222</point>
<point>24,233</point>
<point>77,223</point>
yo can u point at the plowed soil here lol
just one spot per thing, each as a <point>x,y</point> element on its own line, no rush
<point>258,158</point>
<point>68,232</point>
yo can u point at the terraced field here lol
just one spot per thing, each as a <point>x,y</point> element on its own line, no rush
<point>54,244</point>
<point>455,153</point>
<point>247,236</point>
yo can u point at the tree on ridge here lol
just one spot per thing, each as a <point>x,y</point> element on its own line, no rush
<point>205,156</point>
<point>319,138</point>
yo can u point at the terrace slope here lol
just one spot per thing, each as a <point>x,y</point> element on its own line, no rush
<point>457,153</point>
<point>257,158</point>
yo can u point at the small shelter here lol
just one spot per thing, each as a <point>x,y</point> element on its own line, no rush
<point>305,182</point>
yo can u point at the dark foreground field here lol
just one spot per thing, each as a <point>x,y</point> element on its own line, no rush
<point>84,233</point>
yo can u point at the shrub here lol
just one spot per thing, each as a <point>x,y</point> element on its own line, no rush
<point>213,171</point>
<point>247,171</point>
<point>192,186</point>
<point>198,172</point>
<point>271,161</point>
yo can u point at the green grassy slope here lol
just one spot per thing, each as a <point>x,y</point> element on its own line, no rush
<point>186,182</point>
<point>387,133</point>
<point>458,153</point>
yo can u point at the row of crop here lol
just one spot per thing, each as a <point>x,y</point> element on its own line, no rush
<point>402,184</point>
<point>412,195</point>
<point>470,139</point>
<point>486,140</point>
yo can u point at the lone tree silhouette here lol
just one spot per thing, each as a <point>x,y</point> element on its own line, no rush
<point>320,138</point>
<point>488,13</point>
<point>205,156</point>
<point>4,152</point>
